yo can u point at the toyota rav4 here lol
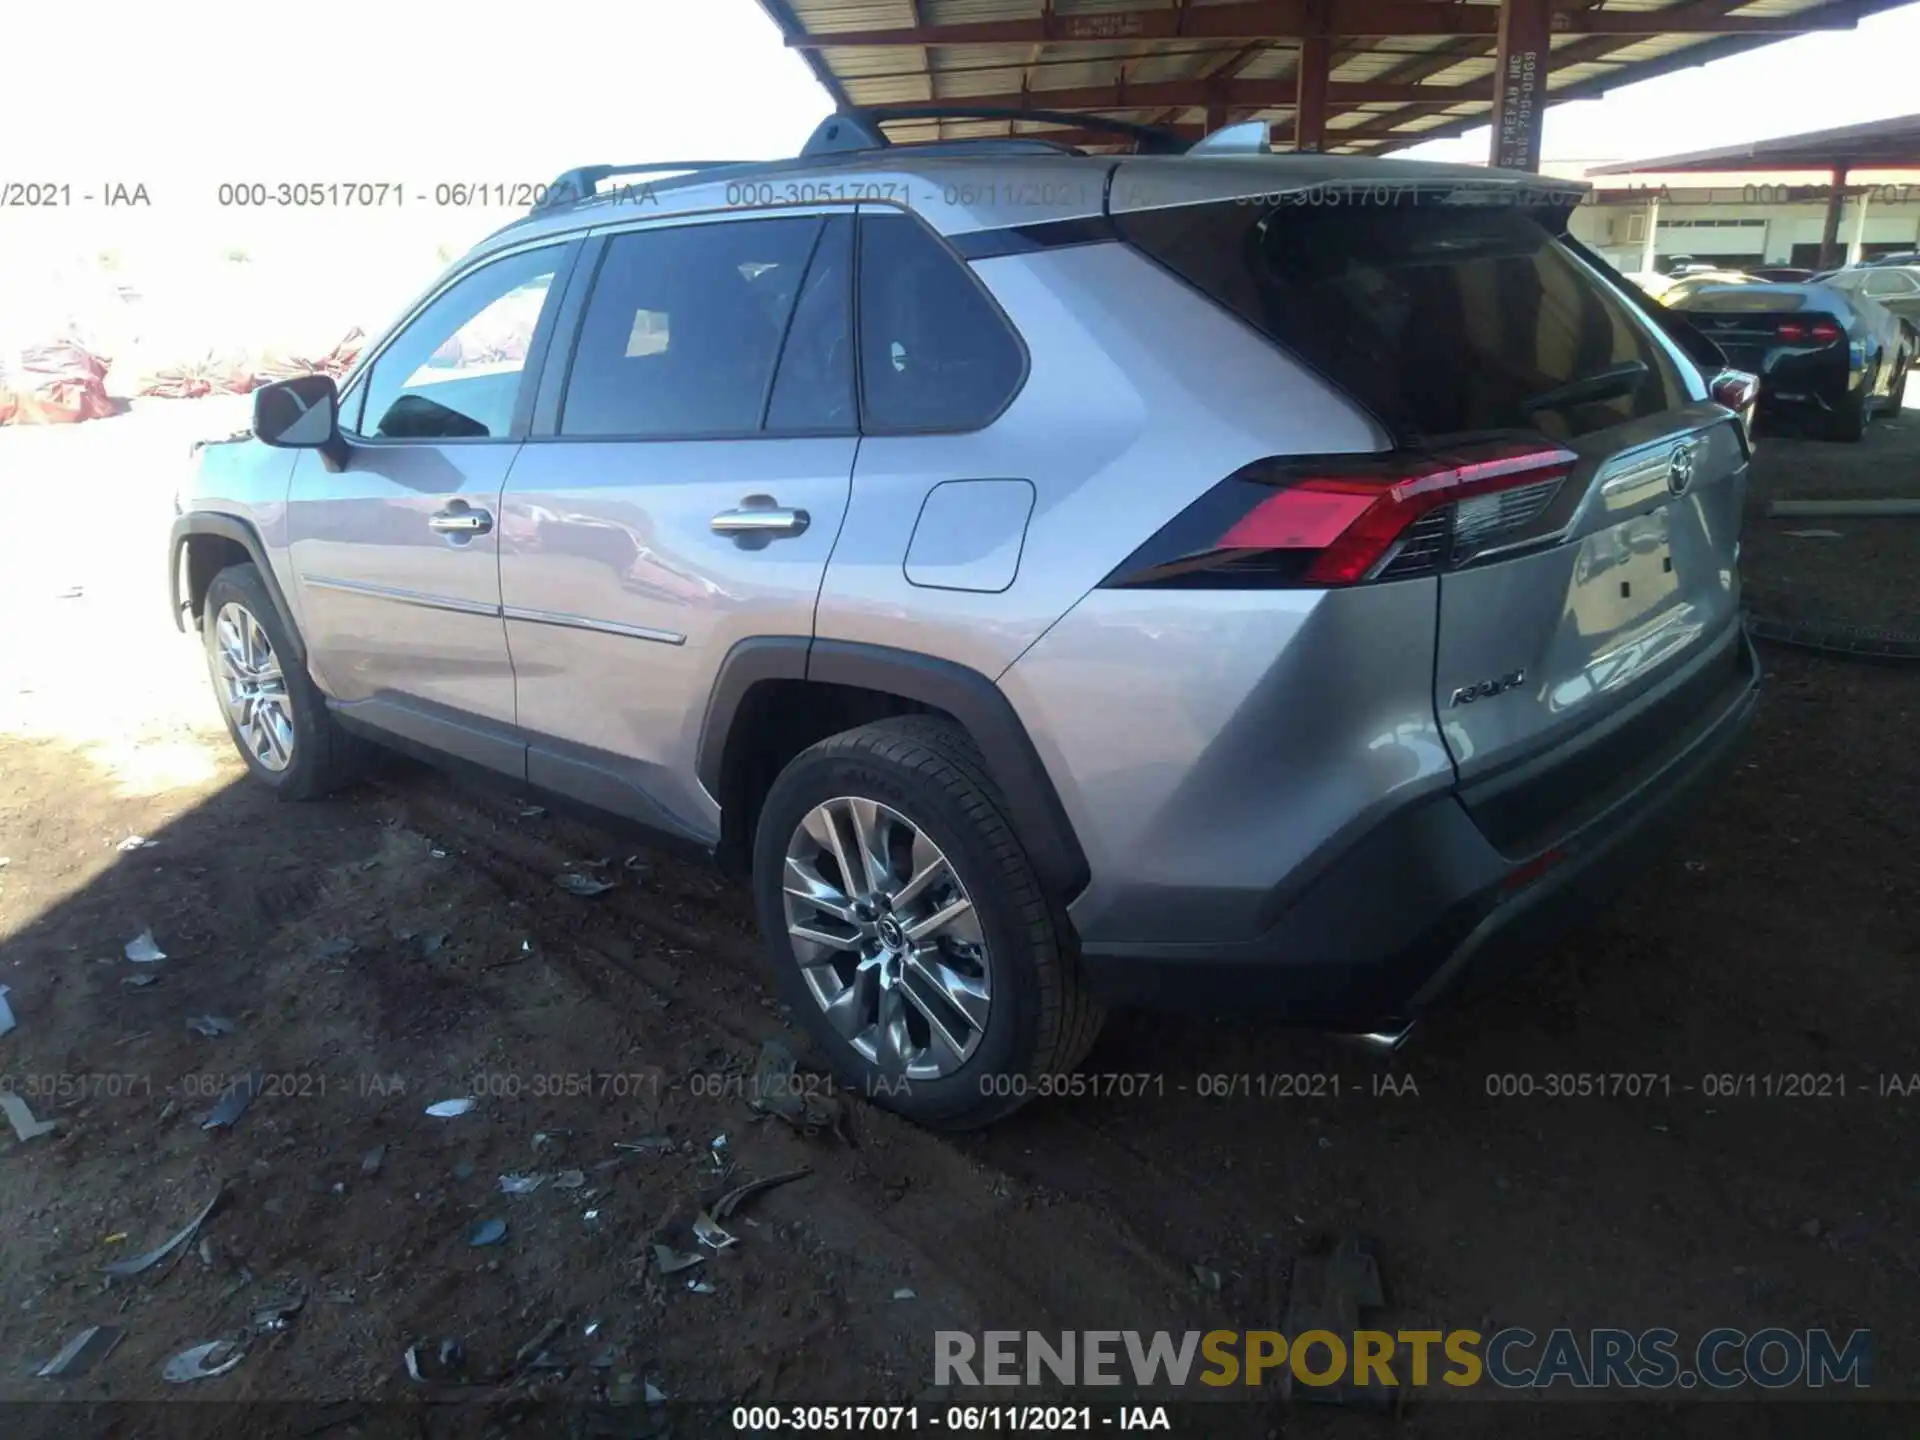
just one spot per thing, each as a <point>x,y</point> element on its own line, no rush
<point>1219,579</point>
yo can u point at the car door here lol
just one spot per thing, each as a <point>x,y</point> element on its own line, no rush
<point>396,554</point>
<point>689,466</point>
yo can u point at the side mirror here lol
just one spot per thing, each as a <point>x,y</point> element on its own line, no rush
<point>300,414</point>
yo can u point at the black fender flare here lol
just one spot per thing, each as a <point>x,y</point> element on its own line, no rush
<point>1027,791</point>
<point>242,533</point>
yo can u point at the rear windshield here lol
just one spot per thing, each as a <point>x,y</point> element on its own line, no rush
<point>1754,299</point>
<point>1442,320</point>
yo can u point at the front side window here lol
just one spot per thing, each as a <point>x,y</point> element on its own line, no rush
<point>935,353</point>
<point>684,327</point>
<point>455,371</point>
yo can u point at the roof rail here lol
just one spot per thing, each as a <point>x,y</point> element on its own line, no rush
<point>580,182</point>
<point>859,128</point>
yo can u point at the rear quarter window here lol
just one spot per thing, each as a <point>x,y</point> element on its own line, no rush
<point>1442,321</point>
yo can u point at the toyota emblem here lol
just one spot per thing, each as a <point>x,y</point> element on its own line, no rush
<point>1680,470</point>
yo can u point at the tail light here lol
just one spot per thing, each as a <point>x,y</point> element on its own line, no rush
<point>1817,332</point>
<point>1348,519</point>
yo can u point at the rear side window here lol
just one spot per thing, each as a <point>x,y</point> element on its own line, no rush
<point>1443,320</point>
<point>935,352</point>
<point>684,327</point>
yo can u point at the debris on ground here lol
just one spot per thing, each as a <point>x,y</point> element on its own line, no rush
<point>7,1021</point>
<point>211,1026</point>
<point>1208,1280</point>
<point>371,1162</point>
<point>538,1344</point>
<point>81,1353</point>
<point>672,1262</point>
<point>710,1234</point>
<point>1329,1292</point>
<point>905,1293</point>
<point>576,884</point>
<point>135,842</point>
<point>25,1124</point>
<point>203,1362</point>
<point>445,1360</point>
<point>532,812</point>
<point>140,982</point>
<point>488,1232</point>
<point>338,948</point>
<point>724,1207</point>
<point>277,1315</point>
<point>233,1104</point>
<point>700,1287</point>
<point>774,1091</point>
<point>521,1184</point>
<point>448,1109</point>
<point>646,1145</point>
<point>144,950</point>
<point>570,1180</point>
<point>121,1269</point>
<point>432,944</point>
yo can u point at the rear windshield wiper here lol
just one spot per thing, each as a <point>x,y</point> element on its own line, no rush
<point>1601,385</point>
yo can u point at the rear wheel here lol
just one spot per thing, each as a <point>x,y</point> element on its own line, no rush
<point>908,930</point>
<point>1850,420</point>
<point>274,712</point>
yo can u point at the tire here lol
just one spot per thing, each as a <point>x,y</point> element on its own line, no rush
<point>1039,1019</point>
<point>1850,420</point>
<point>319,756</point>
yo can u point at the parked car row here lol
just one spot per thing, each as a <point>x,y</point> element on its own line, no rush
<point>1836,345</point>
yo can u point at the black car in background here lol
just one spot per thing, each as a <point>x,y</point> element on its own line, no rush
<point>1815,347</point>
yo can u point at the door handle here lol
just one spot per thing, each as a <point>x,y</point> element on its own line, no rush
<point>460,522</point>
<point>766,519</point>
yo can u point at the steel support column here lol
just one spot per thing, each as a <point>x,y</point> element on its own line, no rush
<point>1520,83</point>
<point>1830,232</point>
<point>1310,96</point>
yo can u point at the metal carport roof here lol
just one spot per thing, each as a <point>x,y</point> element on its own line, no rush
<point>1878,145</point>
<point>1395,71</point>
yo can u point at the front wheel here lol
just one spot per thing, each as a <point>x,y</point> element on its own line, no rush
<point>274,712</point>
<point>908,931</point>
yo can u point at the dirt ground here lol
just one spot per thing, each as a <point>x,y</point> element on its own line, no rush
<point>405,943</point>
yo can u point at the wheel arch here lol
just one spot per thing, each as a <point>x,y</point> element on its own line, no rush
<point>776,695</point>
<point>210,542</point>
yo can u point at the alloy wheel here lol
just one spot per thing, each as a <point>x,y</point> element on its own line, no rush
<point>253,687</point>
<point>887,938</point>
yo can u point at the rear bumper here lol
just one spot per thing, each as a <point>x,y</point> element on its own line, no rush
<point>1424,908</point>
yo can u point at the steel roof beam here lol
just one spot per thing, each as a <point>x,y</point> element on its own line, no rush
<point>1240,94</point>
<point>1297,19</point>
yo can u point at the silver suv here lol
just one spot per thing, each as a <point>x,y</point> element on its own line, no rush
<point>1208,580</point>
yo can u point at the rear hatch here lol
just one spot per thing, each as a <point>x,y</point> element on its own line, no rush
<point>1560,468</point>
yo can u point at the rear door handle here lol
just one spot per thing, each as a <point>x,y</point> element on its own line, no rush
<point>765,518</point>
<point>460,522</point>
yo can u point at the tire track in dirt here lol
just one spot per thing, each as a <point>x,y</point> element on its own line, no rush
<point>1098,1236</point>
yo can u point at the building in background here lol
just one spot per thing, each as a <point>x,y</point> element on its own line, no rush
<point>1819,199</point>
<point>1744,220</point>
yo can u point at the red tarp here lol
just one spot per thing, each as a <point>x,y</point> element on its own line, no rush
<point>238,373</point>
<point>57,384</point>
